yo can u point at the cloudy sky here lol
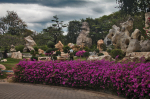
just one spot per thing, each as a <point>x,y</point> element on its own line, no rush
<point>39,13</point>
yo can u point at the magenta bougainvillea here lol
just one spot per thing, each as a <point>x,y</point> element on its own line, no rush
<point>130,79</point>
<point>80,53</point>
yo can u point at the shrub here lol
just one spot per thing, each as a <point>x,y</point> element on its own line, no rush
<point>51,44</point>
<point>86,54</point>
<point>109,50</point>
<point>32,52</point>
<point>129,79</point>
<point>44,47</point>
<point>116,52</point>
<point>75,53</point>
<point>54,57</point>
<point>80,53</point>
<point>36,48</point>
<point>19,48</point>
<point>100,54</point>
<point>34,58</point>
<point>66,48</point>
<point>49,50</point>
<point>2,74</point>
<point>103,46</point>
<point>97,50</point>
<point>58,53</point>
<point>86,48</point>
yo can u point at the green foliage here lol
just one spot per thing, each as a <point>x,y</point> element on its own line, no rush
<point>86,48</point>
<point>116,52</point>
<point>75,52</point>
<point>100,54</point>
<point>58,53</point>
<point>19,48</point>
<point>54,57</point>
<point>97,50</point>
<point>86,54</point>
<point>103,46</point>
<point>44,47</point>
<point>51,44</point>
<point>66,48</point>
<point>109,50</point>
<point>2,74</point>
<point>36,48</point>
<point>34,58</point>
<point>42,55</point>
<point>32,52</point>
<point>49,50</point>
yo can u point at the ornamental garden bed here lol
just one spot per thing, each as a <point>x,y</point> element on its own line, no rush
<point>129,79</point>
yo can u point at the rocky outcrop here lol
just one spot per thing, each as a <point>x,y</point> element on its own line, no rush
<point>41,51</point>
<point>104,57</point>
<point>145,45</point>
<point>83,39</point>
<point>16,55</point>
<point>12,49</point>
<point>60,46</point>
<point>99,43</point>
<point>2,67</point>
<point>29,44</point>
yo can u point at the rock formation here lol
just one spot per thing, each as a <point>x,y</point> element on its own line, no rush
<point>99,43</point>
<point>60,46</point>
<point>12,49</point>
<point>16,55</point>
<point>82,39</point>
<point>40,51</point>
<point>29,44</point>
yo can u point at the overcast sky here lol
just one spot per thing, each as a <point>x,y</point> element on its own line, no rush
<point>38,13</point>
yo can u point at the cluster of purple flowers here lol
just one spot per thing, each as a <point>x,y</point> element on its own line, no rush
<point>130,79</point>
<point>80,53</point>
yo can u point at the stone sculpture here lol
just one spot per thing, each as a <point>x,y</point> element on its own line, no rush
<point>60,46</point>
<point>12,49</point>
<point>16,55</point>
<point>29,44</point>
<point>99,43</point>
<point>71,45</point>
<point>40,51</point>
<point>83,39</point>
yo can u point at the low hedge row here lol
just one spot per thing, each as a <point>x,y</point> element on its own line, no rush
<point>130,79</point>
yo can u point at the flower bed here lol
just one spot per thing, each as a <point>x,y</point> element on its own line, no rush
<point>130,79</point>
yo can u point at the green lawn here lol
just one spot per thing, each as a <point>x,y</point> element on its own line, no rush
<point>82,58</point>
<point>10,63</point>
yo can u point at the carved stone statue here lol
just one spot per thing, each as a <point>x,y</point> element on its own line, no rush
<point>82,38</point>
<point>12,49</point>
<point>60,46</point>
<point>29,44</point>
<point>99,43</point>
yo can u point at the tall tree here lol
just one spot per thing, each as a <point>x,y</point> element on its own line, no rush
<point>56,29</point>
<point>73,31</point>
<point>12,24</point>
<point>133,6</point>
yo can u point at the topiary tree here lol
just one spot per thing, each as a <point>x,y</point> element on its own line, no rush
<point>58,53</point>
<point>66,48</point>
<point>86,55</point>
<point>117,53</point>
<point>51,49</point>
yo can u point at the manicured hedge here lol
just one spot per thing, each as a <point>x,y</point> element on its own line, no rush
<point>130,79</point>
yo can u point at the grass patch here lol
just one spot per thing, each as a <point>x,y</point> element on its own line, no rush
<point>82,58</point>
<point>10,63</point>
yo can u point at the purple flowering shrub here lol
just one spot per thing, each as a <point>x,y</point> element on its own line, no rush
<point>80,53</point>
<point>130,79</point>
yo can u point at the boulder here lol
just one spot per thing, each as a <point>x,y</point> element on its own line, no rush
<point>134,46</point>
<point>99,43</point>
<point>41,51</point>
<point>2,67</point>
<point>29,44</point>
<point>12,49</point>
<point>16,55</point>
<point>4,60</point>
<point>105,57</point>
<point>145,45</point>
<point>83,39</point>
<point>60,46</point>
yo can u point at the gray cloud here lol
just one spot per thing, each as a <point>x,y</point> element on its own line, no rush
<point>39,13</point>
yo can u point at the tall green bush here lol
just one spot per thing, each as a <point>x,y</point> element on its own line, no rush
<point>116,52</point>
<point>19,48</point>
